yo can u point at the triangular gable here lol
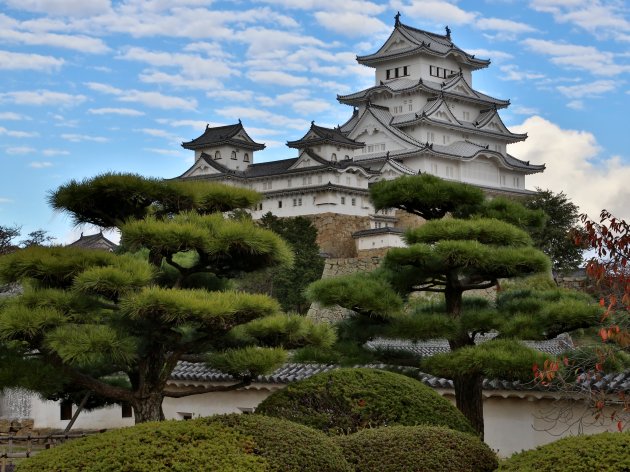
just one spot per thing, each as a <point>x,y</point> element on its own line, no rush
<point>440,111</point>
<point>307,160</point>
<point>204,166</point>
<point>460,86</point>
<point>391,167</point>
<point>397,42</point>
<point>492,122</point>
<point>368,123</point>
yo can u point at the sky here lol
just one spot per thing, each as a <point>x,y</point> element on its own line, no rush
<point>88,87</point>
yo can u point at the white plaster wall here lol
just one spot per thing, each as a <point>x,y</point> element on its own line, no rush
<point>378,241</point>
<point>226,153</point>
<point>216,403</point>
<point>47,415</point>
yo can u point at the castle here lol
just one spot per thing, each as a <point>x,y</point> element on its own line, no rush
<point>421,116</point>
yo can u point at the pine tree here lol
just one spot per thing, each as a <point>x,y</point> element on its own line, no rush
<point>451,256</point>
<point>117,324</point>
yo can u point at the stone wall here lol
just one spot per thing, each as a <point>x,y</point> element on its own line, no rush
<point>408,220</point>
<point>334,233</point>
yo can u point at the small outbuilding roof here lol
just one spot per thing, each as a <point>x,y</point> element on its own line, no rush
<point>320,135</point>
<point>231,134</point>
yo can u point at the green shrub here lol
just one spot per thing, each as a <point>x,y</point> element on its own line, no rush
<point>416,449</point>
<point>605,452</point>
<point>235,443</point>
<point>344,401</point>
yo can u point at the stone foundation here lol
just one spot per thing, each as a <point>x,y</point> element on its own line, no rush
<point>334,233</point>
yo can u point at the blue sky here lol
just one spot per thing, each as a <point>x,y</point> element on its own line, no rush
<point>93,86</point>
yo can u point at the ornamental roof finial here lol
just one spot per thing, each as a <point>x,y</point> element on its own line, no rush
<point>448,33</point>
<point>239,121</point>
<point>397,19</point>
<point>312,122</point>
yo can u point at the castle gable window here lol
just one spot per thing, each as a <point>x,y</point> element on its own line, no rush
<point>234,155</point>
<point>246,157</point>
<point>440,72</point>
<point>217,155</point>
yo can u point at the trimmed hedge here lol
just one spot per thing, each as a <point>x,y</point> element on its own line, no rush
<point>605,452</point>
<point>344,401</point>
<point>238,443</point>
<point>416,449</point>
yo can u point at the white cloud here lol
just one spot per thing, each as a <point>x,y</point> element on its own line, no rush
<point>158,133</point>
<point>594,89</point>
<point>572,56</point>
<point>576,105</point>
<point>74,42</point>
<point>308,107</point>
<point>277,78</point>
<point>42,97</point>
<point>40,164</point>
<point>11,116</point>
<point>61,7</point>
<point>520,110</point>
<point>232,95</point>
<point>20,150</point>
<point>150,99</point>
<point>512,72</point>
<point>263,41</point>
<point>350,23</point>
<point>494,55</point>
<point>115,111</point>
<point>5,200</point>
<point>167,152</point>
<point>263,116</point>
<point>439,11</point>
<point>603,19</point>
<point>77,138</point>
<point>506,26</point>
<point>196,124</point>
<point>574,165</point>
<point>20,61</point>
<point>55,152</point>
<point>16,134</point>
<point>370,8</point>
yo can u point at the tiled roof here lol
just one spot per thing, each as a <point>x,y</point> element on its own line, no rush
<point>422,41</point>
<point>400,85</point>
<point>95,241</point>
<point>319,135</point>
<point>214,136</point>
<point>293,372</point>
<point>373,231</point>
<point>430,347</point>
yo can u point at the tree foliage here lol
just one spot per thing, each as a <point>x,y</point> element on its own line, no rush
<point>556,236</point>
<point>98,317</point>
<point>451,256</point>
<point>287,284</point>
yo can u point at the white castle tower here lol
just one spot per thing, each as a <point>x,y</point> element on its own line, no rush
<point>421,116</point>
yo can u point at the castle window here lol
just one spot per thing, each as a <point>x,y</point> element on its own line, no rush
<point>279,203</point>
<point>466,115</point>
<point>434,169</point>
<point>234,155</point>
<point>333,157</point>
<point>450,172</point>
<point>300,201</point>
<point>503,180</point>
<point>388,74</point>
<point>405,72</point>
<point>348,181</point>
<point>346,157</point>
<point>354,202</point>
<point>217,155</point>
<point>440,72</point>
<point>410,105</point>
<point>289,183</point>
<point>319,179</point>
<point>516,181</point>
<point>430,136</point>
<point>343,200</point>
<point>446,139</point>
<point>246,157</point>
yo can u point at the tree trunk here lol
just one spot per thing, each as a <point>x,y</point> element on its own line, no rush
<point>148,408</point>
<point>469,399</point>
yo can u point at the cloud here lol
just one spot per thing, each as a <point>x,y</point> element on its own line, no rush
<point>11,116</point>
<point>572,56</point>
<point>5,200</point>
<point>277,78</point>
<point>167,152</point>
<point>158,133</point>
<point>78,138</point>
<point>263,116</point>
<point>575,166</point>
<point>594,89</point>
<point>17,134</point>
<point>20,150</point>
<point>366,7</point>
<point>433,10</point>
<point>512,72</point>
<point>61,7</point>
<point>520,110</point>
<point>74,42</point>
<point>150,99</point>
<point>308,107</point>
<point>502,25</point>
<point>42,97</point>
<point>40,164</point>
<point>350,23</point>
<point>576,105</point>
<point>602,19</point>
<point>496,56</point>
<point>115,111</point>
<point>20,61</point>
<point>55,152</point>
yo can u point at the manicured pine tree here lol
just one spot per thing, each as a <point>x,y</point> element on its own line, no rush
<point>451,256</point>
<point>117,324</point>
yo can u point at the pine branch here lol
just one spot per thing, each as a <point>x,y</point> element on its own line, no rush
<point>188,391</point>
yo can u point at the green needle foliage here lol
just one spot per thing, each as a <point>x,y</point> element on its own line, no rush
<point>92,316</point>
<point>449,256</point>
